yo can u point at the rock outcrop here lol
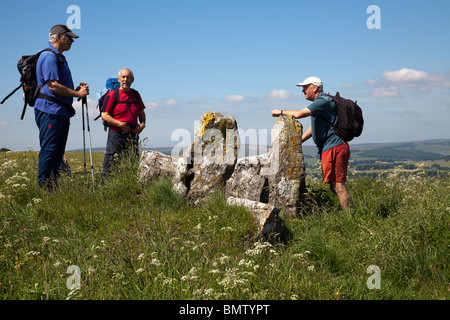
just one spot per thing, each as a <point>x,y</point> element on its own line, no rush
<point>265,184</point>
<point>154,164</point>
<point>210,160</point>
<point>278,177</point>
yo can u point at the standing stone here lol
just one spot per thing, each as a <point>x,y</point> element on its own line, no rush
<point>287,184</point>
<point>210,160</point>
<point>154,164</point>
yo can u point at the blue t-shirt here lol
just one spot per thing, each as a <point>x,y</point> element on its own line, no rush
<point>47,68</point>
<point>323,134</point>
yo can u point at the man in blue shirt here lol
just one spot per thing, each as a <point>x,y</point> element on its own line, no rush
<point>334,151</point>
<point>53,109</point>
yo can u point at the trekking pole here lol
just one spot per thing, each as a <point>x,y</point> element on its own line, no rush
<point>84,142</point>
<point>84,102</point>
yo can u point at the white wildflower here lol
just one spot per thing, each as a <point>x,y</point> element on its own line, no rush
<point>33,253</point>
<point>223,259</point>
<point>213,271</point>
<point>191,275</point>
<point>155,262</point>
<point>140,270</point>
<point>258,248</point>
<point>227,229</point>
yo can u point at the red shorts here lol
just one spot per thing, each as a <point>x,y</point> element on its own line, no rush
<point>335,163</point>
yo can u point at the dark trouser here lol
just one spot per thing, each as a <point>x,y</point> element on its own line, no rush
<point>116,144</point>
<point>53,133</point>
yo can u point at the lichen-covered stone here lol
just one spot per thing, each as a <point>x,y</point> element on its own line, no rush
<point>210,160</point>
<point>287,183</point>
<point>154,164</point>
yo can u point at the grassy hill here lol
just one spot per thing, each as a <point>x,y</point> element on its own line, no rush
<point>417,150</point>
<point>143,241</point>
<point>371,159</point>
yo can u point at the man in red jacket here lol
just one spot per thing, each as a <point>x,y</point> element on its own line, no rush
<point>123,109</point>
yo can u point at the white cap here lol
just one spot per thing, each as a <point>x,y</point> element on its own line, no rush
<point>311,80</point>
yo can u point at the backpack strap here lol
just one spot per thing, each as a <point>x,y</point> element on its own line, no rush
<point>116,101</point>
<point>60,61</point>
<point>12,92</point>
<point>53,99</point>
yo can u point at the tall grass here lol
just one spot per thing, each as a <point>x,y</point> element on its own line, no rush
<point>143,241</point>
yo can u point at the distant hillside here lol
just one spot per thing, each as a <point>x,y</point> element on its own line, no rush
<point>438,149</point>
<point>406,151</point>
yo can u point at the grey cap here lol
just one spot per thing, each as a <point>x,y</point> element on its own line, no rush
<point>60,28</point>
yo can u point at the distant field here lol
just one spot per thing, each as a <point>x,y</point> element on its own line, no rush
<point>431,155</point>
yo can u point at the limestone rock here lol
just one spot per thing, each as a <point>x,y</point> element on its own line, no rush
<point>154,164</point>
<point>268,222</point>
<point>278,177</point>
<point>287,183</point>
<point>246,181</point>
<point>210,160</point>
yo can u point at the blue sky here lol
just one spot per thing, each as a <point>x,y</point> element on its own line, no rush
<point>241,58</point>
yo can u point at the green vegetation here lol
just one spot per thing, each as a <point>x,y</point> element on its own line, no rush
<point>143,241</point>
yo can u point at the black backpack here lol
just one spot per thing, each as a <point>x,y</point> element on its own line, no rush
<point>350,121</point>
<point>29,83</point>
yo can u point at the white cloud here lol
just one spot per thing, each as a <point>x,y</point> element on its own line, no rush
<point>235,98</point>
<point>383,92</point>
<point>3,123</point>
<point>279,95</point>
<point>405,75</point>
<point>170,102</point>
<point>151,105</point>
<point>415,78</point>
<point>439,80</point>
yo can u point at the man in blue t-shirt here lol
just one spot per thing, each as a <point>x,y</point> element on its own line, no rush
<point>334,152</point>
<point>53,109</point>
